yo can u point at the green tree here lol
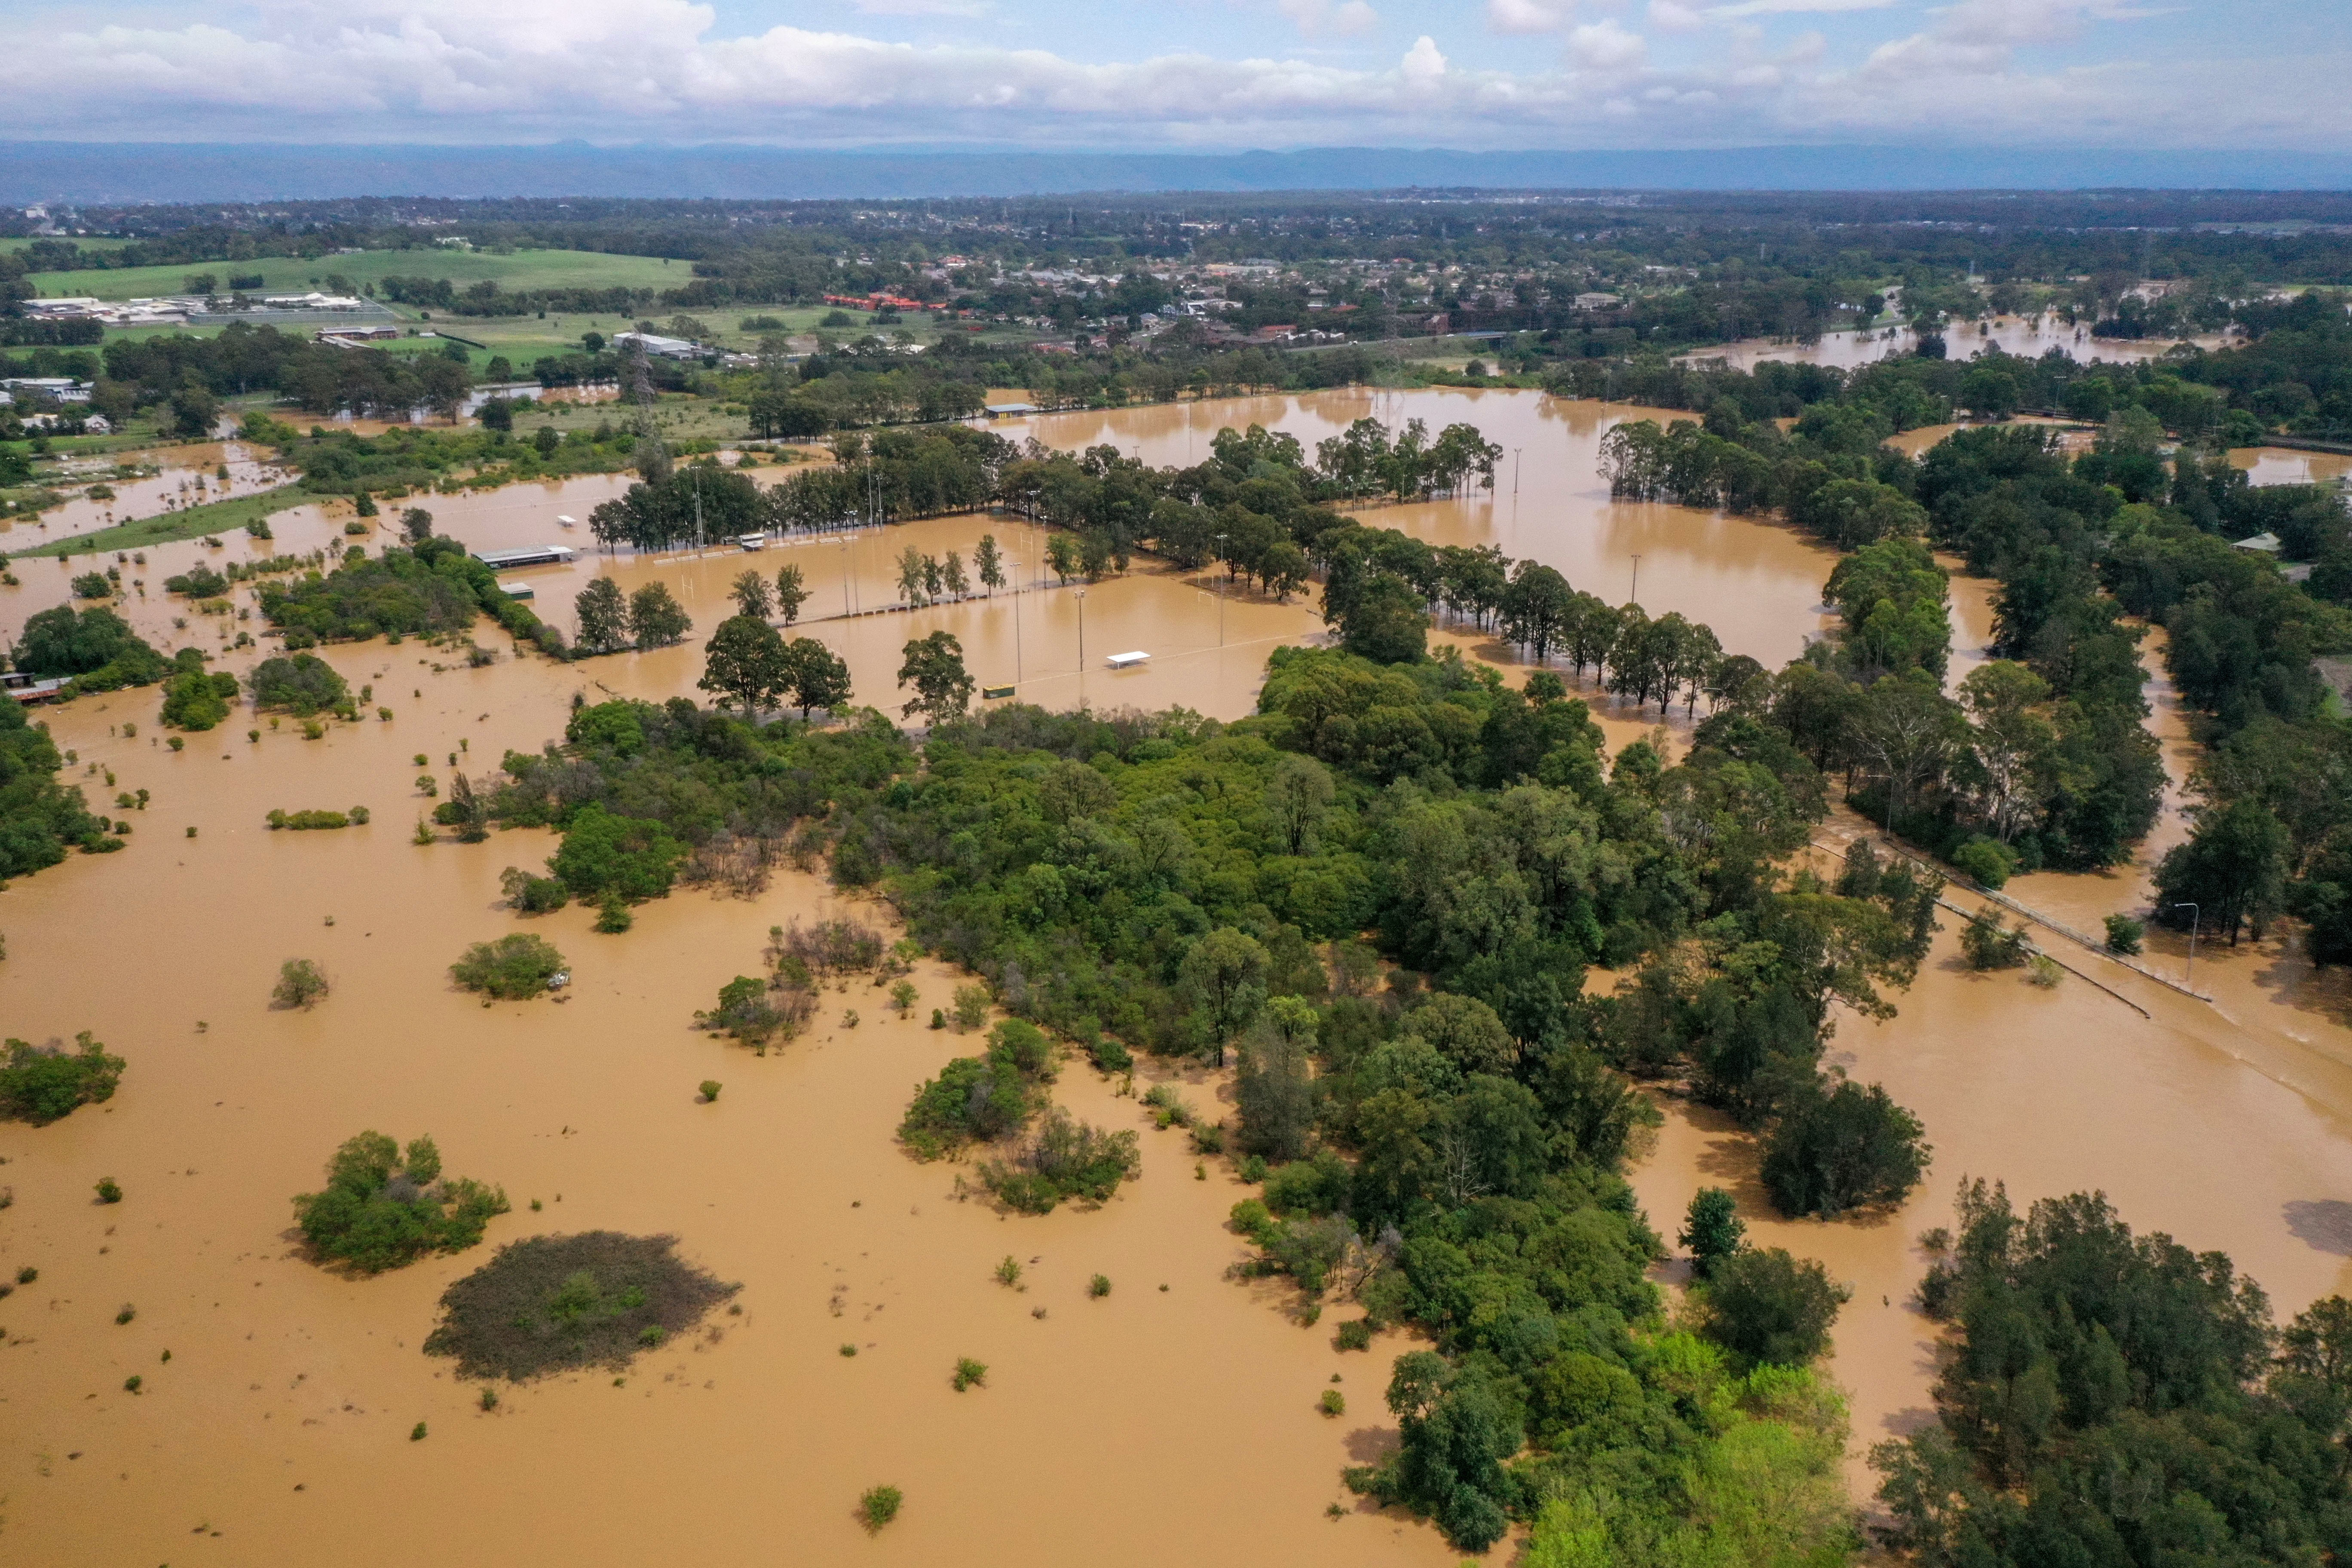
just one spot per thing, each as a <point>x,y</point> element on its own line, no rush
<point>1712,1229</point>
<point>1224,975</point>
<point>2233,868</point>
<point>1388,623</point>
<point>792,592</point>
<point>656,617</point>
<point>384,1207</point>
<point>40,1084</point>
<point>1297,796</point>
<point>747,661</point>
<point>603,616</point>
<point>1840,1147</point>
<point>749,592</point>
<point>416,525</point>
<point>1275,1091</point>
<point>933,667</point>
<point>1769,1306</point>
<point>989,563</point>
<point>820,678</point>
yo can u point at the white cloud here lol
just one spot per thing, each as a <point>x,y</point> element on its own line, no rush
<point>1423,67</point>
<point>924,8</point>
<point>1776,7</point>
<point>1315,17</point>
<point>1528,15</point>
<point>1604,47</point>
<point>665,70</point>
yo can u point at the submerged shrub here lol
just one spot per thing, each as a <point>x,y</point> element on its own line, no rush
<point>1771,1307</point>
<point>879,1506</point>
<point>513,967</point>
<point>969,1374</point>
<point>757,1011</point>
<point>385,1207</point>
<point>301,982</point>
<point>41,1083</point>
<point>532,895</point>
<point>1988,945</point>
<point>551,1303</point>
<point>308,821</point>
<point>2125,934</point>
<point>1067,1159</point>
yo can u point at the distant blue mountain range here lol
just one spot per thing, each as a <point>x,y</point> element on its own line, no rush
<point>120,172</point>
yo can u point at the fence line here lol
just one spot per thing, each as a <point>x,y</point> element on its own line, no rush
<point>2096,944</point>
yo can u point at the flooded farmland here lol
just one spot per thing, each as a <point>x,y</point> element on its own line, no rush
<point>1179,1426</point>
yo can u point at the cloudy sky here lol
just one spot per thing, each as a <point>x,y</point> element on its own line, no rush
<point>1208,74</point>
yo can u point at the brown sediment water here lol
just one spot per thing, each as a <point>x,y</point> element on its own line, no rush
<point>284,1376</point>
<point>2221,1122</point>
<point>187,475</point>
<point>1757,583</point>
<point>2030,337</point>
<point>2286,466</point>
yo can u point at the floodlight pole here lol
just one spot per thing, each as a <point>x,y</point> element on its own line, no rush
<point>2196,918</point>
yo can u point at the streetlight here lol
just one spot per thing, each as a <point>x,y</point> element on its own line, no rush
<point>1082,649</point>
<point>1016,623</point>
<point>1636,597</point>
<point>1515,471</point>
<point>2196,918</point>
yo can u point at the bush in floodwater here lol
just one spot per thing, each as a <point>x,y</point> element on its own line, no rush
<point>1008,1272</point>
<point>2043,971</point>
<point>612,916</point>
<point>513,968</point>
<point>709,1087</point>
<point>757,1011</point>
<point>1356,1335</point>
<point>1767,1306</point>
<point>970,1006</point>
<point>308,821</point>
<point>903,996</point>
<point>1986,861</point>
<point>1098,1287</point>
<point>1067,1159</point>
<point>879,1506</point>
<point>532,895</point>
<point>1988,945</point>
<point>300,983</point>
<point>1168,1109</point>
<point>1838,1146</point>
<point>41,1083</point>
<point>553,1303</point>
<point>1333,1403</point>
<point>109,1190</point>
<point>969,1374</point>
<point>385,1207</point>
<point>302,683</point>
<point>2124,934</point>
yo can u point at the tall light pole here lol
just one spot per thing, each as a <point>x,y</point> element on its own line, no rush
<point>1515,471</point>
<point>2196,918</point>
<point>1221,595</point>
<point>845,577</point>
<point>1016,623</point>
<point>1082,649</point>
<point>1637,579</point>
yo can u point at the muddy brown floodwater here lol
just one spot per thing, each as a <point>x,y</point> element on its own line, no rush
<point>187,475</point>
<point>2030,337</point>
<point>1151,1428</point>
